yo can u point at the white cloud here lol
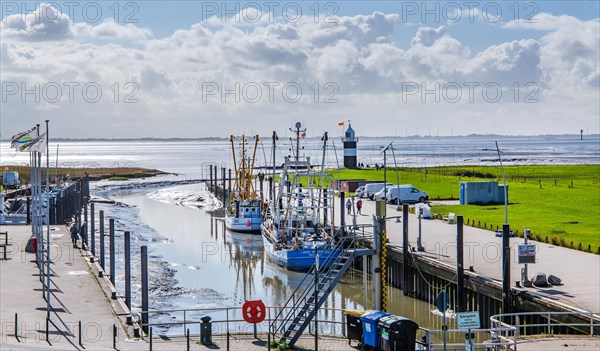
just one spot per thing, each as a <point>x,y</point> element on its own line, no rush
<point>570,52</point>
<point>357,53</point>
<point>47,23</point>
<point>43,24</point>
<point>108,29</point>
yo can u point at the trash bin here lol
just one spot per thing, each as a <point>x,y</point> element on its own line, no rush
<point>398,333</point>
<point>354,326</point>
<point>206,331</point>
<point>370,328</point>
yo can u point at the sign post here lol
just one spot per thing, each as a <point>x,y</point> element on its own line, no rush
<point>468,321</point>
<point>442,302</point>
<point>526,256</point>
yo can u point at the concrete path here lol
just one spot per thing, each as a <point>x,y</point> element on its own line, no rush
<point>579,271</point>
<point>76,297</point>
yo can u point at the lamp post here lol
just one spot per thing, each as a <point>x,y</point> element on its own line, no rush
<point>384,152</point>
<point>504,180</point>
<point>506,308</point>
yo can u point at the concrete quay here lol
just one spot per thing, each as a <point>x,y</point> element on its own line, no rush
<point>579,271</point>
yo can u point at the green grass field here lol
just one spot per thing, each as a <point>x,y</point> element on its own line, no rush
<point>561,203</point>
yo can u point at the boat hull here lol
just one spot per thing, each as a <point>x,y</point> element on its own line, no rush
<point>299,260</point>
<point>243,225</point>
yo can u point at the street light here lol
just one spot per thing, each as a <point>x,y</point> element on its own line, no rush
<point>506,307</point>
<point>384,152</point>
<point>504,179</point>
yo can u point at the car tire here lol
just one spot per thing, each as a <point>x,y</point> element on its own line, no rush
<point>421,199</point>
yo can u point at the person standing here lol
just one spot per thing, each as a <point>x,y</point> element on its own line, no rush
<point>74,234</point>
<point>349,206</point>
<point>358,205</point>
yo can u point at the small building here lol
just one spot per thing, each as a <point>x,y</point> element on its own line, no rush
<point>350,185</point>
<point>481,193</point>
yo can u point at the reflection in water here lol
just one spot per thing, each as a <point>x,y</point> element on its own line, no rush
<point>235,268</point>
<point>244,254</point>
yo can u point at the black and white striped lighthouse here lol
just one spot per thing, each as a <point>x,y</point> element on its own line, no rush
<point>350,141</point>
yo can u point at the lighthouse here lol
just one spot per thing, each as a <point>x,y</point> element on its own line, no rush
<point>350,141</point>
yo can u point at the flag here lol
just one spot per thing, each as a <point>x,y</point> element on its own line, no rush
<point>341,124</point>
<point>18,140</point>
<point>36,145</point>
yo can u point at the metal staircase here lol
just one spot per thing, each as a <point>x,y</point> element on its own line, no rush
<point>309,296</point>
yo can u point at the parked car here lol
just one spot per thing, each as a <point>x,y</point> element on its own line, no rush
<point>372,188</point>
<point>360,192</point>
<point>11,180</point>
<point>406,193</point>
<point>380,195</point>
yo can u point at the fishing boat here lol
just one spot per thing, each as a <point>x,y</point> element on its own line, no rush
<point>244,212</point>
<point>295,230</point>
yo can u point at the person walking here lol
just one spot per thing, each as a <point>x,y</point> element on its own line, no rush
<point>74,234</point>
<point>358,205</point>
<point>349,206</point>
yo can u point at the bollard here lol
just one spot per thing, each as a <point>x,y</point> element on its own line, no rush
<point>150,337</point>
<point>102,241</point>
<point>187,339</point>
<point>92,232</point>
<point>80,340</point>
<point>460,272</point>
<point>17,327</point>
<point>144,273</point>
<point>111,245</point>
<point>114,336</point>
<point>127,238</point>
<point>47,327</point>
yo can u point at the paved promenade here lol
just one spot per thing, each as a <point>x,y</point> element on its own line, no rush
<point>75,296</point>
<point>579,271</point>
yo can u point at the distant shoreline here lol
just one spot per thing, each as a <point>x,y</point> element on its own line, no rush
<point>548,136</point>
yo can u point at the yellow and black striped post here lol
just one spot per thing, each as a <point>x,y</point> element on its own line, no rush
<point>383,265</point>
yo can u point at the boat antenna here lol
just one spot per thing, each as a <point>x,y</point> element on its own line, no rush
<point>298,131</point>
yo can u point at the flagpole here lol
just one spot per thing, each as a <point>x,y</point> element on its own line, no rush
<point>48,217</point>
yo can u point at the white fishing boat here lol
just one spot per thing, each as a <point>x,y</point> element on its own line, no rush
<point>244,212</point>
<point>295,230</point>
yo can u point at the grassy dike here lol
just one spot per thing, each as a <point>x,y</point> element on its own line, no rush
<point>560,204</point>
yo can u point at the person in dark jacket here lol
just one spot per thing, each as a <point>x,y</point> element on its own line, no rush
<point>74,234</point>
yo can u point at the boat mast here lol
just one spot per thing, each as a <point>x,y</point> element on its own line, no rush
<point>275,138</point>
<point>297,131</point>
<point>251,169</point>
<point>243,172</point>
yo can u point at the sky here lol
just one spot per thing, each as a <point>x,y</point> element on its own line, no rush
<point>190,69</point>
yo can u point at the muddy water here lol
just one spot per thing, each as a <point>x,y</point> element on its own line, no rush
<point>218,268</point>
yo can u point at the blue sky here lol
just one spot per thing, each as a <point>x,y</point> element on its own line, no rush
<point>165,68</point>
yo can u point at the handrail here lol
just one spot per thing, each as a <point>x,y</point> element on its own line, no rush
<point>308,289</point>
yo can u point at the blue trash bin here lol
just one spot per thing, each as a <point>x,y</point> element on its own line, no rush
<point>370,327</point>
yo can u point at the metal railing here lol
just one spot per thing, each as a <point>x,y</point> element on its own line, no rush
<point>513,322</point>
<point>501,336</point>
<point>231,321</point>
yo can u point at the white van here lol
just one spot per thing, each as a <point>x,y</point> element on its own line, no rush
<point>407,193</point>
<point>11,180</point>
<point>360,191</point>
<point>372,188</point>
